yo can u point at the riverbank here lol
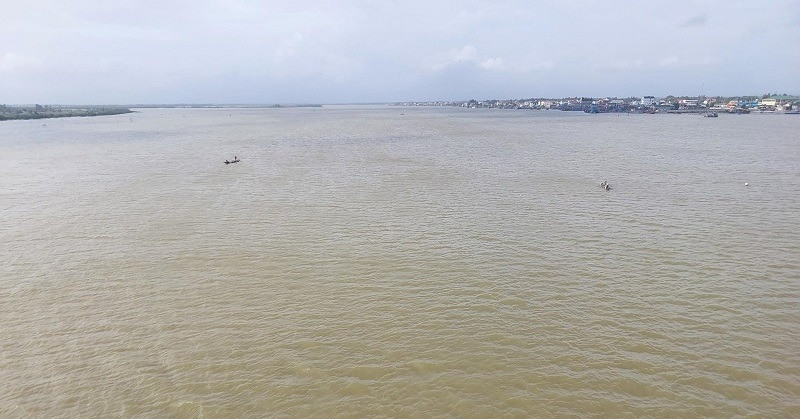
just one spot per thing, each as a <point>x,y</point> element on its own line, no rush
<point>8,113</point>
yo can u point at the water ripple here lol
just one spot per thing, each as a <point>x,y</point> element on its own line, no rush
<point>356,263</point>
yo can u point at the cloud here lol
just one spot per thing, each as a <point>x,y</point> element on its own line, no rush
<point>12,62</point>
<point>670,61</point>
<point>468,54</point>
<point>694,21</point>
<point>674,61</point>
<point>493,64</point>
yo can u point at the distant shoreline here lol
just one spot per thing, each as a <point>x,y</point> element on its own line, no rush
<point>16,113</point>
<point>225,106</point>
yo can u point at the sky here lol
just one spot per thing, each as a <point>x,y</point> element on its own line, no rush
<point>358,51</point>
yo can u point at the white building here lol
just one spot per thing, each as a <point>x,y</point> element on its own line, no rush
<point>546,104</point>
<point>648,100</point>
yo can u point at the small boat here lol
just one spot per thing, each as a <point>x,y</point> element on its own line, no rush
<point>235,160</point>
<point>710,115</point>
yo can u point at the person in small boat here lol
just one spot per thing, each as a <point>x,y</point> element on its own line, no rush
<point>227,162</point>
<point>607,187</point>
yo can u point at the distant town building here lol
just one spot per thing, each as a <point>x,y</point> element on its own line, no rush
<point>769,102</point>
<point>545,104</point>
<point>648,104</point>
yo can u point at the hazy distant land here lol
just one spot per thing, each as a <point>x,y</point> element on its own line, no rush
<point>58,111</point>
<point>780,103</point>
<point>42,112</point>
<point>227,105</point>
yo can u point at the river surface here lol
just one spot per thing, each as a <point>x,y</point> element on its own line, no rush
<point>399,262</point>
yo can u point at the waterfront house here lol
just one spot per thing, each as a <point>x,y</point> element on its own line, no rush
<point>778,102</point>
<point>768,103</point>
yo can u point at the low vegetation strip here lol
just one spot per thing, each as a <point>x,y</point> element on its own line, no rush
<point>42,112</point>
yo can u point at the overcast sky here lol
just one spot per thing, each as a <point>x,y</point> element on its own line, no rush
<point>246,51</point>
